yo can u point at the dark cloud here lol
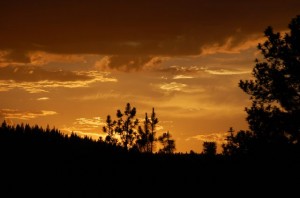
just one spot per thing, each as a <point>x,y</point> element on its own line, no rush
<point>34,74</point>
<point>135,27</point>
<point>16,55</point>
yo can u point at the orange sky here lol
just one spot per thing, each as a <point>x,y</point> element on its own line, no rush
<point>71,63</point>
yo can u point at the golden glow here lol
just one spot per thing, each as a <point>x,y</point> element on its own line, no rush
<point>43,98</point>
<point>44,85</point>
<point>24,115</point>
<point>185,61</point>
<point>181,77</point>
<point>172,86</point>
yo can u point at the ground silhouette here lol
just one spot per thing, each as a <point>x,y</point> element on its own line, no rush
<point>45,163</point>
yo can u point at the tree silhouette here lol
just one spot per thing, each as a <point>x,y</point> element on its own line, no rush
<point>273,117</point>
<point>126,126</point>
<point>129,133</point>
<point>167,143</point>
<point>275,89</point>
<point>153,123</point>
<point>241,143</point>
<point>229,148</point>
<point>110,130</point>
<point>146,133</point>
<point>209,148</point>
<point>143,143</point>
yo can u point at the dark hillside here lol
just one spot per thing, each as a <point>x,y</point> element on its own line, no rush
<point>46,163</point>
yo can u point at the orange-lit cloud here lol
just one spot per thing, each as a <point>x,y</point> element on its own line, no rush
<point>128,63</point>
<point>86,127</point>
<point>3,55</point>
<point>172,86</point>
<point>24,115</point>
<point>227,71</point>
<point>104,96</point>
<point>35,80</point>
<point>219,138</point>
<point>43,98</point>
<point>34,74</point>
<point>189,72</point>
<point>89,123</point>
<point>182,77</point>
<point>181,70</point>
<point>39,58</point>
<point>230,47</point>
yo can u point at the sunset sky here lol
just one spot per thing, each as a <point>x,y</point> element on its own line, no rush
<point>70,63</point>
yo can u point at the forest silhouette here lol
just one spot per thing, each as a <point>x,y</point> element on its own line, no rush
<point>132,162</point>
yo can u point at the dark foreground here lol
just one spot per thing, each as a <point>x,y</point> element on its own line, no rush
<point>41,168</point>
<point>34,172</point>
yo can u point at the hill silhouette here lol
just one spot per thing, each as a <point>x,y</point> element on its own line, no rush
<point>46,163</point>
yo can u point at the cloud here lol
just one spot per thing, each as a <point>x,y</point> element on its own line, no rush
<point>128,62</point>
<point>24,115</point>
<point>34,74</point>
<point>185,69</point>
<point>89,123</point>
<point>39,58</point>
<point>192,72</point>
<point>43,98</point>
<point>35,80</point>
<point>219,138</point>
<point>3,57</point>
<point>227,71</point>
<point>182,77</point>
<point>172,86</point>
<point>117,28</point>
<point>230,46</point>
<point>180,71</point>
<point>104,95</point>
<point>91,127</point>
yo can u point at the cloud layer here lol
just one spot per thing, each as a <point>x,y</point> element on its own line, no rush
<point>24,115</point>
<point>142,28</point>
<point>35,79</point>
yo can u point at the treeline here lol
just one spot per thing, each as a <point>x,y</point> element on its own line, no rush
<point>24,138</point>
<point>45,162</point>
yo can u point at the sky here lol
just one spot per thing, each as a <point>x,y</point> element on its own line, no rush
<point>69,63</point>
